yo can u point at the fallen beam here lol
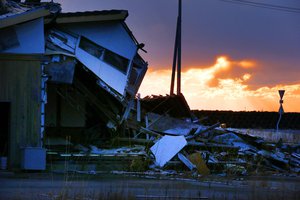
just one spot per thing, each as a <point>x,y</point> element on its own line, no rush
<point>145,130</point>
<point>199,131</point>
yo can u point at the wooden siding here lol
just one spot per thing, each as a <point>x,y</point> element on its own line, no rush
<point>20,84</point>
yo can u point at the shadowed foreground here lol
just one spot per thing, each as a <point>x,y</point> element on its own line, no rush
<point>47,186</point>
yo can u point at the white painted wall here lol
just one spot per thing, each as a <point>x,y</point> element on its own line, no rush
<point>107,73</point>
<point>111,35</point>
<point>31,38</point>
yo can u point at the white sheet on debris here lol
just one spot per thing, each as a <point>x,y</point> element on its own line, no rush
<point>166,148</point>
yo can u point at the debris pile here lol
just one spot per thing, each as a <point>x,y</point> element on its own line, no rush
<point>212,149</point>
<point>162,142</point>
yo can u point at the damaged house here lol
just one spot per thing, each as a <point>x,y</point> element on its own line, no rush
<point>68,83</point>
<point>63,74</point>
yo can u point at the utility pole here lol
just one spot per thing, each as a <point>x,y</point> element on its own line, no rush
<point>177,54</point>
<point>281,111</point>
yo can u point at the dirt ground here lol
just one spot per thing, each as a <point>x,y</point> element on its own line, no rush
<point>106,186</point>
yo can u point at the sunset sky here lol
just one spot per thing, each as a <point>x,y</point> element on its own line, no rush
<point>234,57</point>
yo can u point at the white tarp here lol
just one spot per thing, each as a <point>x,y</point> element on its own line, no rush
<point>166,148</point>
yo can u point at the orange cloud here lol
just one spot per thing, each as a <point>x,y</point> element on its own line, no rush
<point>224,68</point>
<point>227,93</point>
<point>246,64</point>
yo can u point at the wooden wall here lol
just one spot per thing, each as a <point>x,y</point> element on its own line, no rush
<point>20,84</point>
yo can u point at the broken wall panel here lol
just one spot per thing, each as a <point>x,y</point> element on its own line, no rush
<point>137,73</point>
<point>61,72</point>
<point>62,40</point>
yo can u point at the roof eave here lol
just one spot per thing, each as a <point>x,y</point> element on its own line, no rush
<point>61,19</point>
<point>24,17</point>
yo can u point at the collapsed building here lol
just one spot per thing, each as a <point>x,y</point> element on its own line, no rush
<point>68,83</point>
<point>63,74</point>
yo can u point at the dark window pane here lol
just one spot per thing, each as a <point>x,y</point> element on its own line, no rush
<point>116,60</point>
<point>91,48</point>
<point>109,57</point>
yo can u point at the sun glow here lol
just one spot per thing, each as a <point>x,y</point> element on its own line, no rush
<point>222,63</point>
<point>227,93</point>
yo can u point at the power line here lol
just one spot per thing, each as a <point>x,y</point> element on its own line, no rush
<point>264,5</point>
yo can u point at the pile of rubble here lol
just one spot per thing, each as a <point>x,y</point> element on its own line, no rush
<point>184,145</point>
<point>215,149</point>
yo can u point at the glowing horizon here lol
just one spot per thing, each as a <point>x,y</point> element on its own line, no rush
<point>218,87</point>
